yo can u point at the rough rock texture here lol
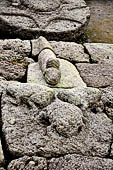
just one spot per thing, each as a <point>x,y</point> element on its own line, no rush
<point>12,71</point>
<point>1,154</point>
<point>23,103</point>
<point>96,75</point>
<point>14,50</point>
<point>28,163</point>
<point>55,128</point>
<point>100,52</point>
<point>69,75</point>
<point>14,58</point>
<point>67,50</point>
<point>3,85</point>
<point>32,125</point>
<point>70,51</point>
<point>54,19</point>
<point>77,162</point>
<point>84,98</point>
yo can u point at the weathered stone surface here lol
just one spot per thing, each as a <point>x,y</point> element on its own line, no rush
<point>70,51</point>
<point>89,139</point>
<point>39,44</point>
<point>3,85</point>
<point>100,52</point>
<point>52,76</point>
<point>58,129</point>
<point>50,66</point>
<point>67,50</point>
<point>84,98</point>
<point>69,75</point>
<point>24,101</point>
<point>107,100</point>
<point>39,95</point>
<point>28,163</point>
<point>96,75</point>
<point>53,19</point>
<point>12,71</point>
<point>77,162</point>
<point>111,154</point>
<point>1,154</point>
<point>14,50</point>
<point>47,59</point>
<point>13,58</point>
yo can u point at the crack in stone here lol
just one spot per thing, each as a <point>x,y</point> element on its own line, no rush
<point>90,58</point>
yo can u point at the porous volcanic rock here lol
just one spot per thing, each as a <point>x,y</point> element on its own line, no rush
<point>54,19</point>
<point>3,85</point>
<point>69,75</point>
<point>14,50</point>
<point>36,124</point>
<point>28,163</point>
<point>12,71</point>
<point>70,51</point>
<point>107,100</point>
<point>77,162</point>
<point>14,58</point>
<point>66,50</point>
<point>96,75</point>
<point>84,98</point>
<point>100,52</point>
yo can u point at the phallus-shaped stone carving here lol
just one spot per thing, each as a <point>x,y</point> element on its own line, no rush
<point>49,64</point>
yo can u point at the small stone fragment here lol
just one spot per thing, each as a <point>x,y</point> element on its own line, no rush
<point>11,121</point>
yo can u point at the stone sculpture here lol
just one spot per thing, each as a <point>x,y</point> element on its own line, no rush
<point>49,64</point>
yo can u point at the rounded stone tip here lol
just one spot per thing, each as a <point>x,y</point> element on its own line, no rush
<point>52,76</point>
<point>53,62</point>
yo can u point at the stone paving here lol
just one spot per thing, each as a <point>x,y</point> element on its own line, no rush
<point>64,126</point>
<point>56,97</point>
